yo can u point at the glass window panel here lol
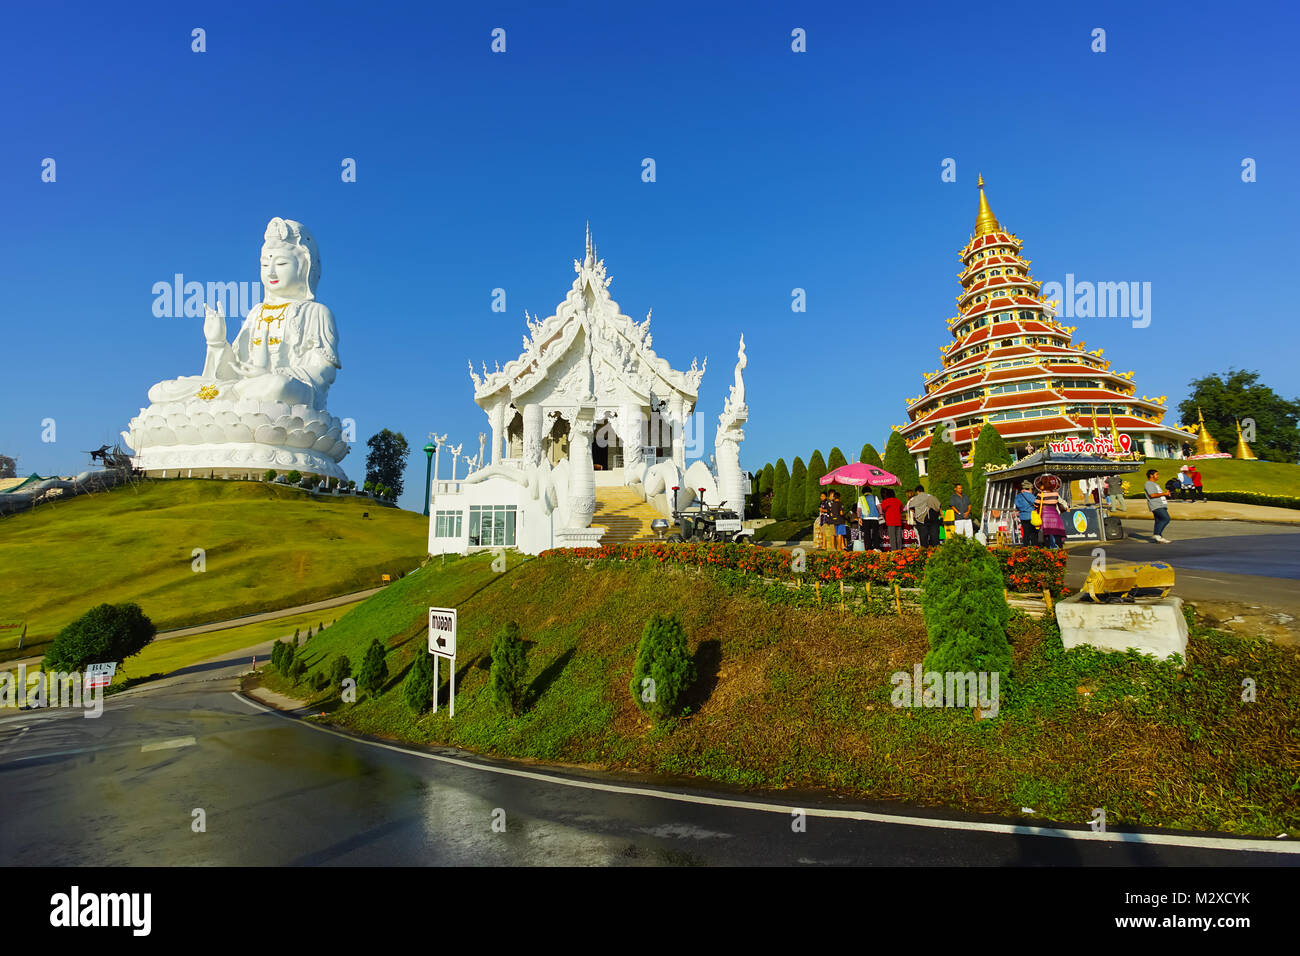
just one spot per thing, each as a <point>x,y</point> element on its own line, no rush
<point>510,528</point>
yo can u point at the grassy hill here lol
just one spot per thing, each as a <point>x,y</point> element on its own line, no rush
<point>266,547</point>
<point>797,696</point>
<point>1229,474</point>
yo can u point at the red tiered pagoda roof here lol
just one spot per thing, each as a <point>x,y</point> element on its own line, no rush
<point>1011,364</point>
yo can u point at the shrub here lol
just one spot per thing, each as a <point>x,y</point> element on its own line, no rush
<point>277,651</point>
<point>813,485</point>
<point>374,668</point>
<point>104,634</point>
<point>966,615</point>
<point>796,496</point>
<point>293,477</point>
<point>509,669</point>
<point>943,467</point>
<point>298,669</point>
<point>989,449</point>
<point>270,475</point>
<point>780,490</point>
<point>417,689</point>
<point>340,670</point>
<point>898,462</point>
<point>286,659</point>
<point>663,670</point>
<point>320,680</point>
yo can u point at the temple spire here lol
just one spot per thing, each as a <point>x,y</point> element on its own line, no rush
<point>590,258</point>
<point>985,221</point>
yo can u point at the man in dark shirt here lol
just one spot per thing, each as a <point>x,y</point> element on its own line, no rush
<point>960,505</point>
<point>836,514</point>
<point>823,521</point>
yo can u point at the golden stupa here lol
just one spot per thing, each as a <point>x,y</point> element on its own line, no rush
<point>1243,450</point>
<point>1205,443</point>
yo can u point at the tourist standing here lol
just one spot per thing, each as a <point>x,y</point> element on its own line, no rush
<point>1049,510</point>
<point>1025,503</point>
<point>856,540</point>
<point>837,520</point>
<point>1157,501</point>
<point>1189,486</point>
<point>1196,482</point>
<point>892,511</point>
<point>823,521</point>
<point>869,517</point>
<point>960,505</point>
<point>926,515</point>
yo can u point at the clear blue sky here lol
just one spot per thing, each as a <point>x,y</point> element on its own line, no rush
<point>775,170</point>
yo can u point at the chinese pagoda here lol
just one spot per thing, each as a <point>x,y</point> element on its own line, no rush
<point>1011,364</point>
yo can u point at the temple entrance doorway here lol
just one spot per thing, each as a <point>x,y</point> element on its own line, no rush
<point>555,447</point>
<point>606,449</point>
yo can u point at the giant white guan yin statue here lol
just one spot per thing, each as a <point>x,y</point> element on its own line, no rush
<point>731,480</point>
<point>260,401</point>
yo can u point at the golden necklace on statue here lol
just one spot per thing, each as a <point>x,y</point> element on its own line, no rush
<point>277,310</point>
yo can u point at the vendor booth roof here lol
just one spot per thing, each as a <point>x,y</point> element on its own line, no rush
<point>1071,465</point>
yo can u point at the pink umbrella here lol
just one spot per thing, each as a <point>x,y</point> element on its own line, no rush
<point>859,474</point>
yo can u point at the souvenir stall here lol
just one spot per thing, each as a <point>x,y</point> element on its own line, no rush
<point>1084,520</point>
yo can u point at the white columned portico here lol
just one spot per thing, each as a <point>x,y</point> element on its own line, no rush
<point>582,471</point>
<point>677,421</point>
<point>497,419</point>
<point>532,434</point>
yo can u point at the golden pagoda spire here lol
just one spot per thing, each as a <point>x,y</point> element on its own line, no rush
<point>985,222</point>
<point>1205,443</point>
<point>1114,433</point>
<point>1243,450</point>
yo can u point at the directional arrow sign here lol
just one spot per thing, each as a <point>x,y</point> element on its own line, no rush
<point>442,631</point>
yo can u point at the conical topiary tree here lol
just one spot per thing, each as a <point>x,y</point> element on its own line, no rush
<point>780,490</point>
<point>966,614</point>
<point>990,449</point>
<point>509,669</point>
<point>943,467</point>
<point>765,479</point>
<point>417,689</point>
<point>898,461</point>
<point>374,668</point>
<point>664,670</point>
<point>813,487</point>
<point>848,493</point>
<point>869,456</point>
<point>798,488</point>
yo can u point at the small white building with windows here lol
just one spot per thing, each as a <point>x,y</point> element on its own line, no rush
<point>586,404</point>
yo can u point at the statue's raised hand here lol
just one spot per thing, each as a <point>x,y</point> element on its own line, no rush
<point>214,325</point>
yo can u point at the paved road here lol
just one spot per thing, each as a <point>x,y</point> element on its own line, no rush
<point>121,790</point>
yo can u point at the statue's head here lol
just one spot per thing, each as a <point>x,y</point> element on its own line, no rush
<point>290,260</point>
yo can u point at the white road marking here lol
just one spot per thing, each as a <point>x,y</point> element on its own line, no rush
<point>168,744</point>
<point>1087,836</point>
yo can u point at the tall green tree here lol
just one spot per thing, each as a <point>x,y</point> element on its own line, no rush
<point>108,633</point>
<point>1236,395</point>
<point>898,461</point>
<point>780,490</point>
<point>765,489</point>
<point>509,674</point>
<point>848,493</point>
<point>870,456</point>
<point>664,669</point>
<point>813,487</point>
<point>374,668</point>
<point>943,466</point>
<point>417,689</point>
<point>798,489</point>
<point>386,460</point>
<point>990,449</point>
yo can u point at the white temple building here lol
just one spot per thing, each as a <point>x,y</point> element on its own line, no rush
<point>587,412</point>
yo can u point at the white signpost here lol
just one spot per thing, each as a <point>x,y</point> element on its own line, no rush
<point>100,675</point>
<point>442,643</point>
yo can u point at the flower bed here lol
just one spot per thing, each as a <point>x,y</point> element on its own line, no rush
<point>1023,569</point>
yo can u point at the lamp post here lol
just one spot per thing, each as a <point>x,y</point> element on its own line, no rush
<point>429,449</point>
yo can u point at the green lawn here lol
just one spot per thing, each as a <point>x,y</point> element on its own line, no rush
<point>267,546</point>
<point>799,697</point>
<point>1228,474</point>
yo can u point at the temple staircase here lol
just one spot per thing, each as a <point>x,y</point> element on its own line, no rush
<point>621,510</point>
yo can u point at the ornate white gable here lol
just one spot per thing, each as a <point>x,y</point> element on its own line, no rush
<point>588,352</point>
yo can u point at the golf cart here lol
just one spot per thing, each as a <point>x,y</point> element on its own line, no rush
<point>706,524</point>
